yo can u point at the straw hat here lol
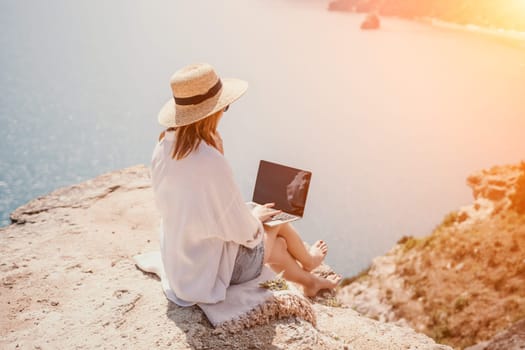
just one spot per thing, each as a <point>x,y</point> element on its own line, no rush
<point>198,93</point>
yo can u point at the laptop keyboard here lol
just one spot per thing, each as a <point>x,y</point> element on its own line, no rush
<point>283,216</point>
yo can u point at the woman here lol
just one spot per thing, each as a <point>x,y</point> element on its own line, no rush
<point>209,237</point>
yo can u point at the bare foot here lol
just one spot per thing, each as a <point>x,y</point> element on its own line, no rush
<point>319,283</point>
<point>317,252</point>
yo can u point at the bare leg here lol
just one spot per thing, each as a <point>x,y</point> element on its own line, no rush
<point>281,260</point>
<point>309,259</point>
<point>269,241</point>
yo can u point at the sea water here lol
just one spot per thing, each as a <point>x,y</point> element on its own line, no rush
<point>390,122</point>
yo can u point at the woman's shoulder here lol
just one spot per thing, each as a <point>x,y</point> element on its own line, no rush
<point>210,158</point>
<point>205,159</point>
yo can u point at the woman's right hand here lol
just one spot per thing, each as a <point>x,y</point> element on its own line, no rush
<point>265,212</point>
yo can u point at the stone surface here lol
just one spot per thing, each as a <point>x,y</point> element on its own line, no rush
<point>67,281</point>
<point>512,338</point>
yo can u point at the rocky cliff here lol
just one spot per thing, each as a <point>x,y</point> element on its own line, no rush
<point>67,281</point>
<point>466,281</point>
<point>506,14</point>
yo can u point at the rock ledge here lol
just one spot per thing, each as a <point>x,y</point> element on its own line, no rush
<point>68,281</point>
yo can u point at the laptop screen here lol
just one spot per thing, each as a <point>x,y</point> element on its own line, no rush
<point>286,187</point>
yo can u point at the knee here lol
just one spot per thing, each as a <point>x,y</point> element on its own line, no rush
<point>278,250</point>
<point>280,243</point>
<point>274,230</point>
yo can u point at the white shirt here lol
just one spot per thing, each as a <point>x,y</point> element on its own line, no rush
<point>204,220</point>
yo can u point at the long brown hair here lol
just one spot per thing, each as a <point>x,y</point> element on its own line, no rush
<point>190,136</point>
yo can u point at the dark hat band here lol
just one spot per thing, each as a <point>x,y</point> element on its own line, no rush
<point>195,100</point>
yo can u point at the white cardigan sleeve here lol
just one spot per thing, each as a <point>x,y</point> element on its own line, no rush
<point>235,221</point>
<point>246,229</point>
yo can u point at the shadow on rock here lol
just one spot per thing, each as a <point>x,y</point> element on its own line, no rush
<point>200,334</point>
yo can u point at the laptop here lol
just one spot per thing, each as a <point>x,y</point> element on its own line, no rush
<point>285,186</point>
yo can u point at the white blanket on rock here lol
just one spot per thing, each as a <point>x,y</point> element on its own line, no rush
<point>243,301</point>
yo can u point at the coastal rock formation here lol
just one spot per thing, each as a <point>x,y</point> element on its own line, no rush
<point>67,281</point>
<point>466,281</point>
<point>506,14</point>
<point>371,22</point>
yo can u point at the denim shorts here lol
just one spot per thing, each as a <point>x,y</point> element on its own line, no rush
<point>248,263</point>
